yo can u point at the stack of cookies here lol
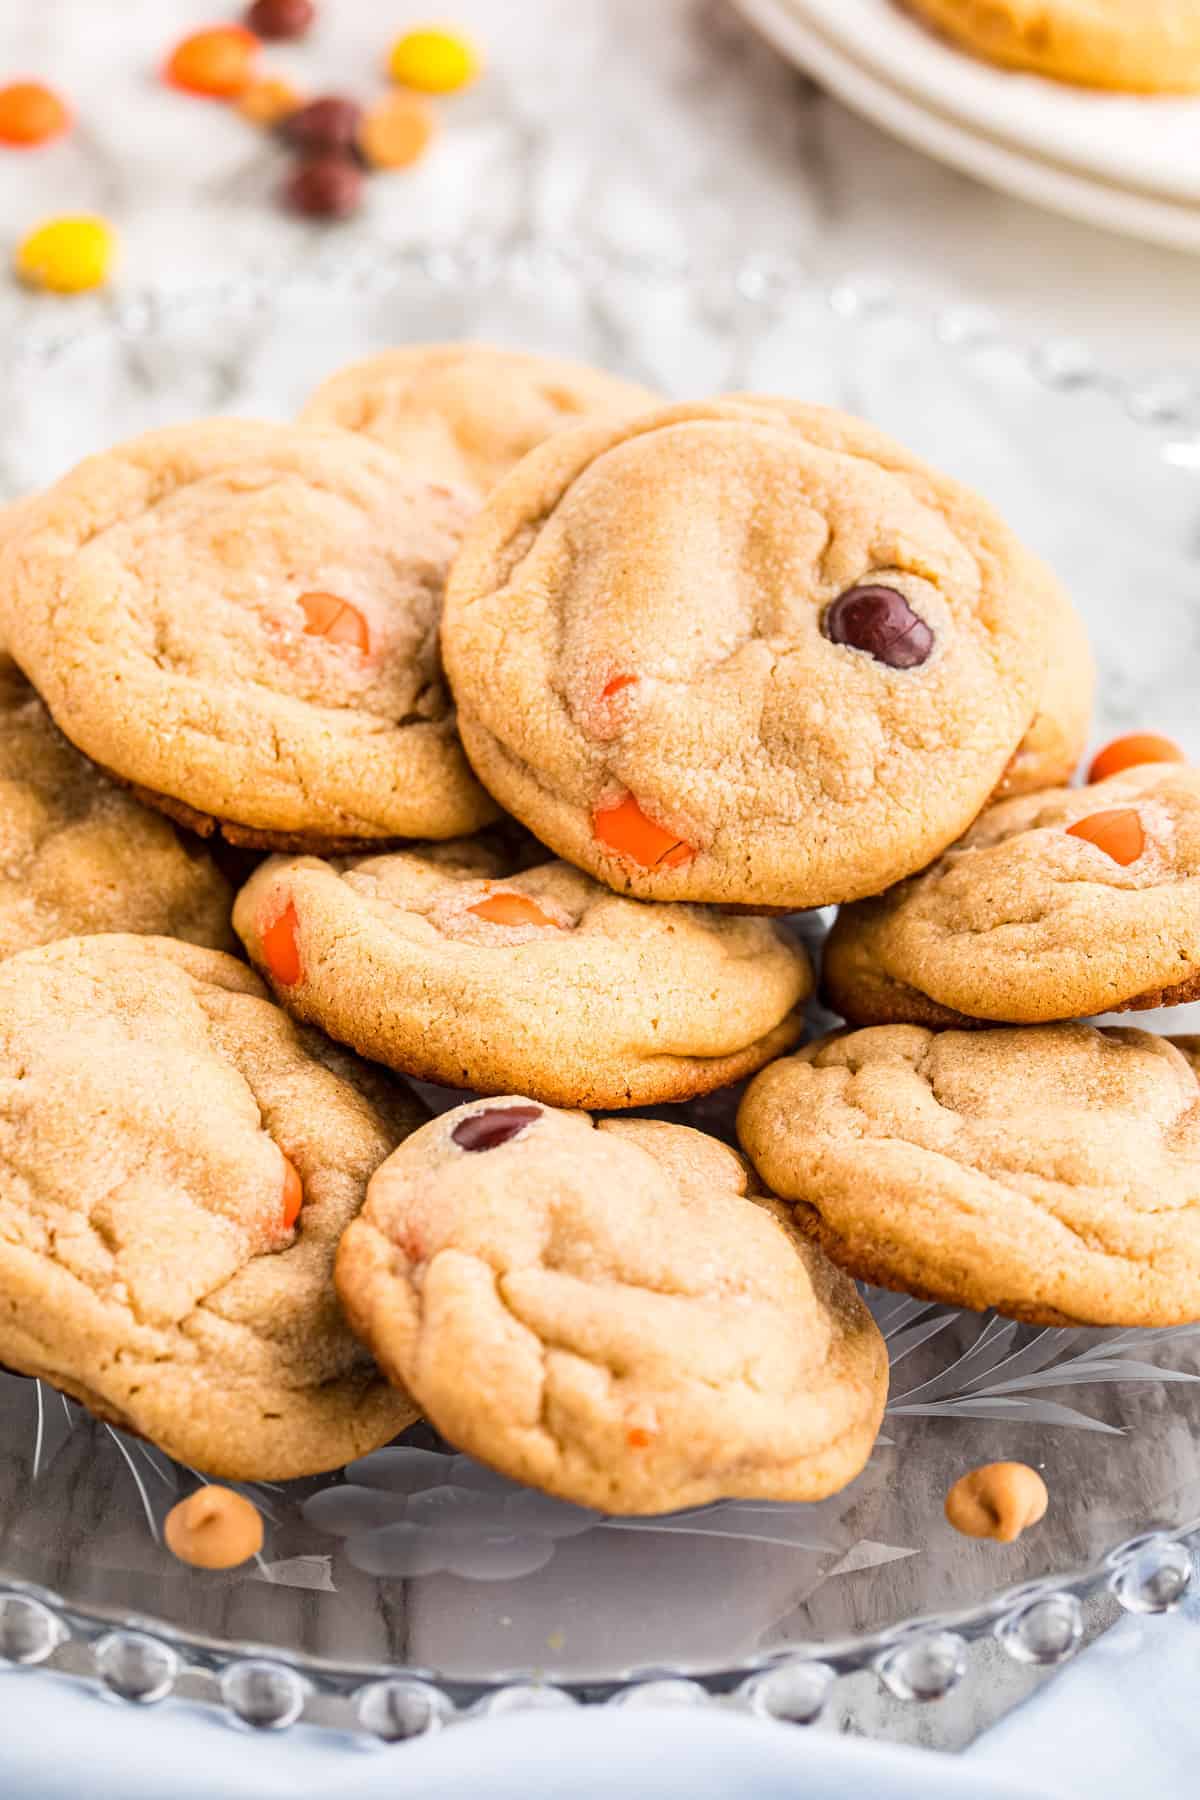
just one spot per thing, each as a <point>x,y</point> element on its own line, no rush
<point>519,708</point>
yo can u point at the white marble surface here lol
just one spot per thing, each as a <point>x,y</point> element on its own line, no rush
<point>652,126</point>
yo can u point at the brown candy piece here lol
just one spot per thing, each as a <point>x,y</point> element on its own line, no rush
<point>280,19</point>
<point>328,123</point>
<point>494,1126</point>
<point>879,621</point>
<point>324,187</point>
<point>214,1528</point>
<point>999,1500</point>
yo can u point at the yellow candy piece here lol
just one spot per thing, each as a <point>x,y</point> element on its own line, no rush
<point>436,62</point>
<point>67,256</point>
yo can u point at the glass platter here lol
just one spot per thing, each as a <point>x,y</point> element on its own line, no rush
<point>417,1569</point>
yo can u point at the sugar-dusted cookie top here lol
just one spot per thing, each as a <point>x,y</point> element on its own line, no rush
<point>1053,906</point>
<point>1051,1171</point>
<point>78,854</point>
<point>462,965</point>
<point>241,619</point>
<point>467,413</point>
<point>601,1312</point>
<point>748,651</point>
<point>177,1164</point>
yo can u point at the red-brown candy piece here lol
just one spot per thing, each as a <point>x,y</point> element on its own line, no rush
<point>280,19</point>
<point>324,187</point>
<point>494,1126</point>
<point>330,122</point>
<point>880,622</point>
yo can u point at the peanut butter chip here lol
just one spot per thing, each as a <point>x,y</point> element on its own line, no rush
<point>997,1501</point>
<point>214,1528</point>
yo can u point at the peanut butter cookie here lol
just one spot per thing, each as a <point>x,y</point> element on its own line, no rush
<point>600,1311</point>
<point>1053,906</point>
<point>467,413</point>
<point>1142,46</point>
<point>240,621</point>
<point>459,965</point>
<point>79,855</point>
<point>1051,1171</point>
<point>748,652</point>
<point>177,1164</point>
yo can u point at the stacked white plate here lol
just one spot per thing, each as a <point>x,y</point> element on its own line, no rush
<point>1128,162</point>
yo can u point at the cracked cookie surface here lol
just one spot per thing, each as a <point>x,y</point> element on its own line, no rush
<point>749,652</point>
<point>601,1311</point>
<point>467,413</point>
<point>78,855</point>
<point>1050,1171</point>
<point>1053,906</point>
<point>460,965</point>
<point>177,1163</point>
<point>240,620</point>
<point>1152,46</point>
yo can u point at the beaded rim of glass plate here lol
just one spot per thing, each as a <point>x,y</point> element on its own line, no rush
<point>141,1660</point>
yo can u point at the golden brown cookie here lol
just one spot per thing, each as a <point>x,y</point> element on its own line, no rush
<point>240,621</point>
<point>1051,1171</point>
<point>1190,1046</point>
<point>1053,906</point>
<point>601,1312</point>
<point>79,855</point>
<point>177,1164</point>
<point>467,413</point>
<point>747,652</point>
<point>1141,46</point>
<point>1049,752</point>
<point>462,966</point>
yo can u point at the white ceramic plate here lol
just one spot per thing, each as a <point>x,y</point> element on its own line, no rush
<point>912,120</point>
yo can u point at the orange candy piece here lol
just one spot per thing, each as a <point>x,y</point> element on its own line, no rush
<point>335,620</point>
<point>616,684</point>
<point>280,948</point>
<point>268,100</point>
<point>293,1194</point>
<point>1119,834</point>
<point>218,63</point>
<point>625,829</point>
<point>397,132</point>
<point>511,909</point>
<point>1128,752</point>
<point>31,113</point>
<point>638,1438</point>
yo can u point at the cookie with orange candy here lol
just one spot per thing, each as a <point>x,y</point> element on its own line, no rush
<point>606,1311</point>
<point>239,620</point>
<point>177,1164</point>
<point>754,653</point>
<point>463,964</point>
<point>1053,906</point>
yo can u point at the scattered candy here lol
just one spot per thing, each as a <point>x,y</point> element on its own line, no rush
<point>436,62</point>
<point>880,622</point>
<point>293,1194</point>
<point>497,1125</point>
<point>269,101</point>
<point>218,63</point>
<point>999,1500</point>
<point>324,187</point>
<point>626,829</point>
<point>280,948</point>
<point>511,909</point>
<point>330,617</point>
<point>67,256</point>
<point>397,132</point>
<point>214,1528</point>
<point>329,123</point>
<point>1119,834</point>
<point>30,114</point>
<point>280,19</point>
<point>1128,752</point>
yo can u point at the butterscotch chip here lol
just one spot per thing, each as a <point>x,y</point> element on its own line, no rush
<point>467,413</point>
<point>458,965</point>
<point>177,1164</point>
<point>1053,906</point>
<point>999,1500</point>
<point>79,855</point>
<point>214,1528</point>
<point>751,652</point>
<point>601,1310</point>
<point>1051,1171</point>
<point>240,620</point>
